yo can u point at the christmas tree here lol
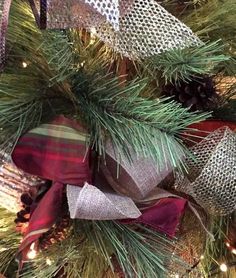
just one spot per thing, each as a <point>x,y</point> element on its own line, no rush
<point>118,144</point>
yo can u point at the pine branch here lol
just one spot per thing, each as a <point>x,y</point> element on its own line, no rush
<point>185,64</point>
<point>59,76</point>
<point>73,257</point>
<point>29,95</point>
<point>215,20</point>
<point>151,127</point>
<point>216,252</point>
<point>140,252</point>
<point>9,242</point>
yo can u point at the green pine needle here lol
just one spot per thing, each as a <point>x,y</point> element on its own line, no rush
<point>139,251</point>
<point>9,242</point>
<point>185,64</point>
<point>151,127</point>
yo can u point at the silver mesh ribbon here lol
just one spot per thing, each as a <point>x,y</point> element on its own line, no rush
<point>133,28</point>
<point>13,182</point>
<point>4,12</point>
<point>212,176</point>
<point>147,29</point>
<point>81,13</point>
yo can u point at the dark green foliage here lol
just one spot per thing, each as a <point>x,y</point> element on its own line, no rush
<point>214,20</point>
<point>66,75</point>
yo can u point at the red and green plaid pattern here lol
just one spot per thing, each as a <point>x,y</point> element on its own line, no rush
<point>56,151</point>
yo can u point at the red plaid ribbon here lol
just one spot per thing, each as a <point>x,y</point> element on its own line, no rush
<point>57,152</point>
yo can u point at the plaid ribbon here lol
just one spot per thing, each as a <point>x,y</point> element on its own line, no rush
<point>57,152</point>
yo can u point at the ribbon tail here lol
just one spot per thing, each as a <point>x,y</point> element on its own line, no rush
<point>200,220</point>
<point>42,219</point>
<point>91,203</point>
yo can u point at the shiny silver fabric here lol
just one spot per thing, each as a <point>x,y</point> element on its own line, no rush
<point>212,176</point>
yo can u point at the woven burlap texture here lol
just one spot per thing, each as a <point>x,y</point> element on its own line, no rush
<point>136,178</point>
<point>91,203</point>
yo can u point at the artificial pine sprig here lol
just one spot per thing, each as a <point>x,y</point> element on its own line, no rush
<point>214,20</point>
<point>151,127</point>
<point>184,64</point>
<point>141,252</point>
<point>9,242</point>
<point>68,76</point>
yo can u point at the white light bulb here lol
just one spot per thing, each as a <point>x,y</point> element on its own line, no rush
<point>93,31</point>
<point>202,257</point>
<point>234,251</point>
<point>31,254</point>
<point>176,275</point>
<point>24,65</point>
<point>223,267</point>
<point>227,244</point>
<point>48,261</point>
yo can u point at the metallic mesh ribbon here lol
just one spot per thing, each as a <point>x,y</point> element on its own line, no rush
<point>13,183</point>
<point>58,14</point>
<point>147,29</point>
<point>212,176</point>
<point>134,28</point>
<point>4,12</point>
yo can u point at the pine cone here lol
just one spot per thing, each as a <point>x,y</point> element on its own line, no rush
<point>26,199</point>
<point>56,234</point>
<point>198,94</point>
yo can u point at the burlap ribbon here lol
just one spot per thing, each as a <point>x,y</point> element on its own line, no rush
<point>91,203</point>
<point>130,194</point>
<point>135,180</point>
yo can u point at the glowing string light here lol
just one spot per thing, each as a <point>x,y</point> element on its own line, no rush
<point>24,65</point>
<point>234,251</point>
<point>223,267</point>
<point>32,252</point>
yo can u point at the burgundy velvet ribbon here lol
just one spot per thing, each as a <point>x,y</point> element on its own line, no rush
<point>164,216</point>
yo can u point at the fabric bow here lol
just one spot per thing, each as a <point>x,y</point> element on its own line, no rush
<point>58,152</point>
